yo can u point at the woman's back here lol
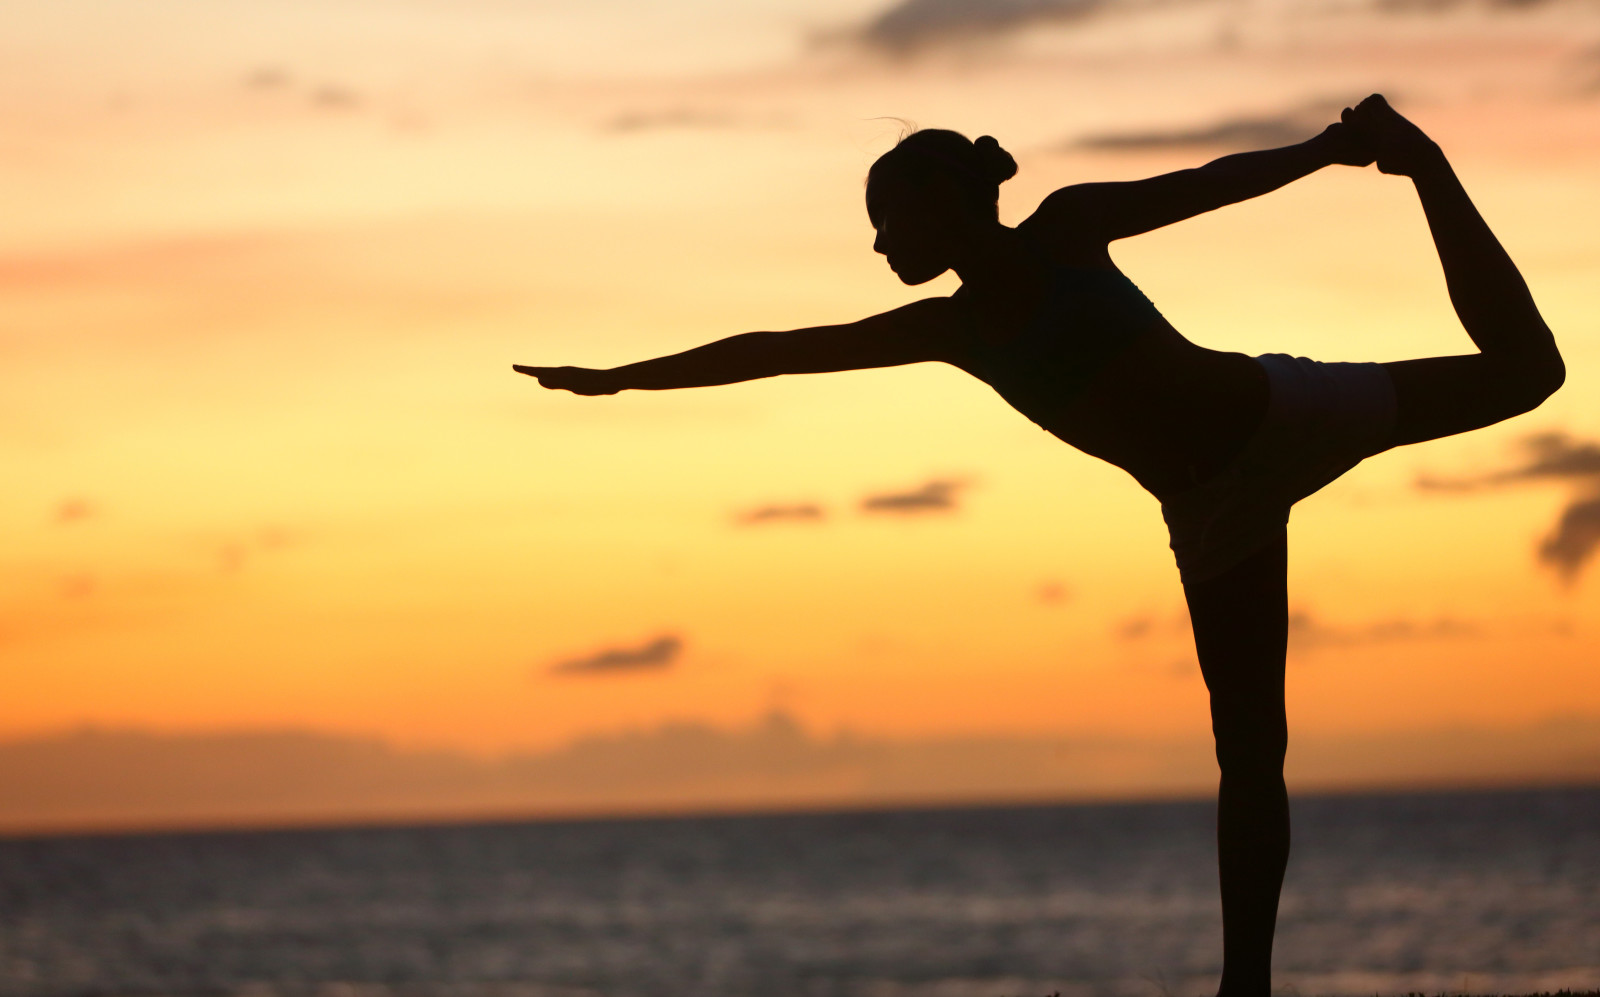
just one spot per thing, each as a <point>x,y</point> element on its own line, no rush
<point>1097,365</point>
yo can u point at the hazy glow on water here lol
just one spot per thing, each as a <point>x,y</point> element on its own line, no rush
<point>1471,893</point>
<point>264,267</point>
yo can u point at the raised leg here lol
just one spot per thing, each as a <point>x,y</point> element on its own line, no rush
<point>1518,365</point>
<point>1241,627</point>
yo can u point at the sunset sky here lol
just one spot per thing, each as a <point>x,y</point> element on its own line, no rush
<point>264,268</point>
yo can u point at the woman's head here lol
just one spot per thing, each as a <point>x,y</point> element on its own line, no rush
<point>928,193</point>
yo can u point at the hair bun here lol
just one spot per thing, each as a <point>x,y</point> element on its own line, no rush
<point>996,163</point>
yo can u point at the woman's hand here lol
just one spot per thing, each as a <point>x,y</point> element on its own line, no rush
<point>1343,145</point>
<point>1400,147</point>
<point>578,380</point>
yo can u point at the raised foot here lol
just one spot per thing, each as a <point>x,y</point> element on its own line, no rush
<point>1398,146</point>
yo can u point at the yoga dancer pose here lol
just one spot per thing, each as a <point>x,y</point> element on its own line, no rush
<point>1226,442</point>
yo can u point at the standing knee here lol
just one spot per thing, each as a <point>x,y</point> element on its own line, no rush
<point>1253,751</point>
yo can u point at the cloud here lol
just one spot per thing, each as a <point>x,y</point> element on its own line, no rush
<point>1053,593</point>
<point>276,79</point>
<point>1135,628</point>
<point>1239,132</point>
<point>73,510</point>
<point>1442,6</point>
<point>1576,537</point>
<point>938,495</point>
<point>1552,456</point>
<point>335,98</point>
<point>801,511</point>
<point>1145,625</point>
<point>1569,547</point>
<point>1307,633</point>
<point>658,653</point>
<point>234,553</point>
<point>267,78</point>
<point>1244,133</point>
<point>914,25</point>
<point>690,117</point>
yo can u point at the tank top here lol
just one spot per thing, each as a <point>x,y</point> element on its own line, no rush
<point>1086,317</point>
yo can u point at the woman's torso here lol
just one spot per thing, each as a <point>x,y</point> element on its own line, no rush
<point>1093,362</point>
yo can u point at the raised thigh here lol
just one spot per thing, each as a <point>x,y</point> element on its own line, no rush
<point>1443,396</point>
<point>1241,630</point>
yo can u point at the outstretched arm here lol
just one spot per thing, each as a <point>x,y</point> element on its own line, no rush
<point>1118,210</point>
<point>912,333</point>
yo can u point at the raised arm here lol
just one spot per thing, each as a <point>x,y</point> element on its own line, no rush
<point>911,333</point>
<point>1117,210</point>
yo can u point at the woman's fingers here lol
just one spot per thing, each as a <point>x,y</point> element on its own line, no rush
<point>578,380</point>
<point>549,377</point>
<point>1366,111</point>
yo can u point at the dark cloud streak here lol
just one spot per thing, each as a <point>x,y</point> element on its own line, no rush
<point>1445,6</point>
<point>1308,633</point>
<point>690,118</point>
<point>1576,537</point>
<point>914,25</point>
<point>1238,132</point>
<point>1552,456</point>
<point>658,653</point>
<point>805,512</point>
<point>911,27</point>
<point>938,495</point>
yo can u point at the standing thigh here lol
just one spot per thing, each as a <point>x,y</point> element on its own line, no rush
<point>1241,629</point>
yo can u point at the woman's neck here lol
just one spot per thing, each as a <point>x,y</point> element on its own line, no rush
<point>1001,270</point>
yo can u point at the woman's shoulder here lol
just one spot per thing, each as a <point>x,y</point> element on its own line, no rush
<point>1063,228</point>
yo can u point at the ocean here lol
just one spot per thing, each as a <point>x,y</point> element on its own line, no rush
<point>1464,892</point>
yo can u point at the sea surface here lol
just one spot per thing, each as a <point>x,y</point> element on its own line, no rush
<point>1473,892</point>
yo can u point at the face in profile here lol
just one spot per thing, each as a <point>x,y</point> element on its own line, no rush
<point>912,234</point>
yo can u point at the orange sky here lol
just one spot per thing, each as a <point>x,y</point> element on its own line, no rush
<point>264,270</point>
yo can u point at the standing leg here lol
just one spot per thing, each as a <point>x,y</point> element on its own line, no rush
<point>1241,627</point>
<point>1518,365</point>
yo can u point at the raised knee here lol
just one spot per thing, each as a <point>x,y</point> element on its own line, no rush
<point>1535,379</point>
<point>1551,376</point>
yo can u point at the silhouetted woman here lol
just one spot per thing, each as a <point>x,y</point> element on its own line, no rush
<point>1226,442</point>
